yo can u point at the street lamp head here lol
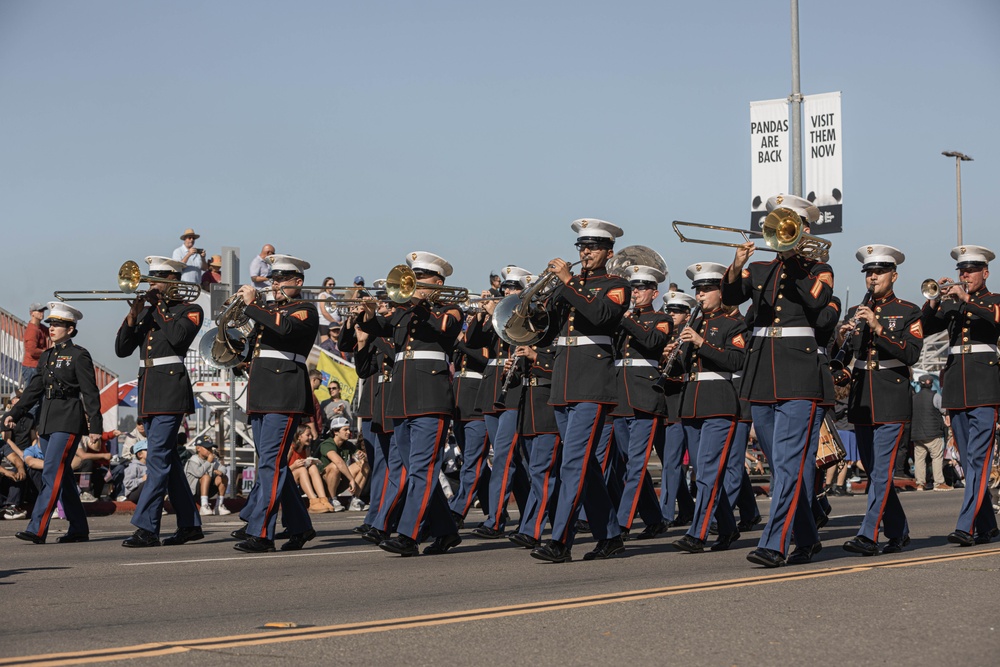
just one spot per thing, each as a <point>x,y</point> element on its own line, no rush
<point>955,154</point>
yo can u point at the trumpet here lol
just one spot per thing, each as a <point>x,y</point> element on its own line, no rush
<point>782,231</point>
<point>401,284</point>
<point>129,279</point>
<point>334,304</point>
<point>931,289</point>
<point>474,304</point>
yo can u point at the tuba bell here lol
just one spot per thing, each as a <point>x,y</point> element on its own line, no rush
<point>232,334</point>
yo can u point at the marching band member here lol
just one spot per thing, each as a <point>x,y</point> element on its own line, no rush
<point>470,428</point>
<point>66,390</point>
<point>710,407</point>
<point>888,343</point>
<point>421,402</point>
<point>675,495</point>
<point>586,310</point>
<point>278,395</point>
<point>782,377</point>
<point>639,415</point>
<point>971,391</point>
<point>163,330</point>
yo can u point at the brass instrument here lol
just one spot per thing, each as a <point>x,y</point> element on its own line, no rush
<point>129,279</point>
<point>519,319</point>
<point>334,305</point>
<point>781,229</point>
<point>402,283</point>
<point>635,255</point>
<point>474,304</point>
<point>931,289</point>
<point>231,337</point>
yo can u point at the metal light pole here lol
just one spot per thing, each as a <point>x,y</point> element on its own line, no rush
<point>796,101</point>
<point>959,159</point>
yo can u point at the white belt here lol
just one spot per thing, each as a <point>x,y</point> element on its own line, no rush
<point>278,354</point>
<point>382,378</point>
<point>159,361</point>
<point>863,365</point>
<point>975,348</point>
<point>572,341</point>
<point>707,375</point>
<point>492,362</point>
<point>784,332</point>
<point>472,375</point>
<point>411,355</point>
<point>635,362</point>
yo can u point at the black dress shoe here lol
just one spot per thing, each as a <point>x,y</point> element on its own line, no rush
<point>961,538</point>
<point>582,526</point>
<point>401,544</point>
<point>896,544</point>
<point>713,528</point>
<point>822,520</point>
<point>298,540</point>
<point>142,538</point>
<point>73,537</point>
<point>283,535</point>
<point>650,532</point>
<point>804,554</point>
<point>606,549</point>
<point>458,519</point>
<point>487,532</point>
<point>522,540</point>
<point>748,524</point>
<point>680,521</point>
<point>988,537</point>
<point>183,535</point>
<point>255,545</point>
<point>240,534</point>
<point>725,541</point>
<point>29,537</point>
<point>442,544</point>
<point>766,557</point>
<point>361,530</point>
<point>553,551</point>
<point>692,545</point>
<point>375,536</point>
<point>861,545</point>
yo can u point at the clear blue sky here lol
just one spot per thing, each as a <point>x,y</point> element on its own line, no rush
<point>349,133</point>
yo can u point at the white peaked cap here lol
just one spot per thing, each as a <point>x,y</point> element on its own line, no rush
<point>63,311</point>
<point>645,274</point>
<point>428,261</point>
<point>879,255</point>
<point>158,263</point>
<point>287,263</point>
<point>513,274</point>
<point>972,254</point>
<point>803,207</point>
<point>591,227</point>
<point>680,299</point>
<point>705,272</point>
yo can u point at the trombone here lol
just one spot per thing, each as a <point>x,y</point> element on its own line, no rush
<point>931,289</point>
<point>781,229</point>
<point>401,284</point>
<point>129,279</point>
<point>334,303</point>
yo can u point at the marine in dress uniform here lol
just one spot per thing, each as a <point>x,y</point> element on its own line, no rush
<point>421,403</point>
<point>675,495</point>
<point>162,330</point>
<point>586,310</point>
<point>639,415</point>
<point>782,377</point>
<point>278,395</point>
<point>886,345</point>
<point>69,401</point>
<point>470,428</point>
<point>710,407</point>
<point>971,383</point>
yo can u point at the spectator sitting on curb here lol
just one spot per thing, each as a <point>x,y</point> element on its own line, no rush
<point>206,479</point>
<point>334,454</point>
<point>13,484</point>
<point>91,463</point>
<point>302,465</point>
<point>135,474</point>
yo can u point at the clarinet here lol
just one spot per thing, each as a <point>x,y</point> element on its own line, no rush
<point>661,381</point>
<point>501,401</point>
<point>837,368</point>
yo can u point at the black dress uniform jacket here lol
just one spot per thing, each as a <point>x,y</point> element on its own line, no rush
<point>375,360</point>
<point>164,331</point>
<point>420,386</point>
<point>970,379</point>
<point>788,292</point>
<point>538,416</point>
<point>642,336</point>
<point>589,305</point>
<point>881,394</point>
<point>722,352</point>
<point>468,360</point>
<point>481,335</point>
<point>67,388</point>
<point>278,385</point>
<point>826,331</point>
<point>672,379</point>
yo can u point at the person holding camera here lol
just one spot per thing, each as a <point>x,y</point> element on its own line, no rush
<point>192,256</point>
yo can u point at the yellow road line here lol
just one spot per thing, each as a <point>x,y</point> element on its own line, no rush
<point>322,632</point>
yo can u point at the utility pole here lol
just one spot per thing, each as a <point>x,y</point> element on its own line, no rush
<point>796,101</point>
<point>959,159</point>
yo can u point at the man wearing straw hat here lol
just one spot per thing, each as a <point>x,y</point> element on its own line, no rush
<point>193,257</point>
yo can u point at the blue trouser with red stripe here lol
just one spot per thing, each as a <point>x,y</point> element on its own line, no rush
<point>58,483</point>
<point>713,439</point>
<point>506,466</point>
<point>543,469</point>
<point>674,493</point>
<point>474,478</point>
<point>739,490</point>
<point>581,483</point>
<point>878,446</point>
<point>611,462</point>
<point>382,483</point>
<point>784,430</point>
<point>638,436</point>
<point>426,511</point>
<point>975,431</point>
<point>273,434</point>
<point>394,496</point>
<point>164,475</point>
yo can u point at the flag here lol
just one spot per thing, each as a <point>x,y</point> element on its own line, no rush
<point>128,395</point>
<point>109,405</point>
<point>340,370</point>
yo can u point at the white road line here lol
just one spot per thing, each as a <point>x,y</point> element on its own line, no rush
<point>248,557</point>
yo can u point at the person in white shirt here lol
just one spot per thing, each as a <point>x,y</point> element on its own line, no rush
<point>193,257</point>
<point>260,269</point>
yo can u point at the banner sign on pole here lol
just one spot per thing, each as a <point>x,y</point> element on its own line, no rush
<point>769,155</point>
<point>824,182</point>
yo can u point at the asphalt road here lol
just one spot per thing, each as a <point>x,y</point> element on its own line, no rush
<point>344,602</point>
